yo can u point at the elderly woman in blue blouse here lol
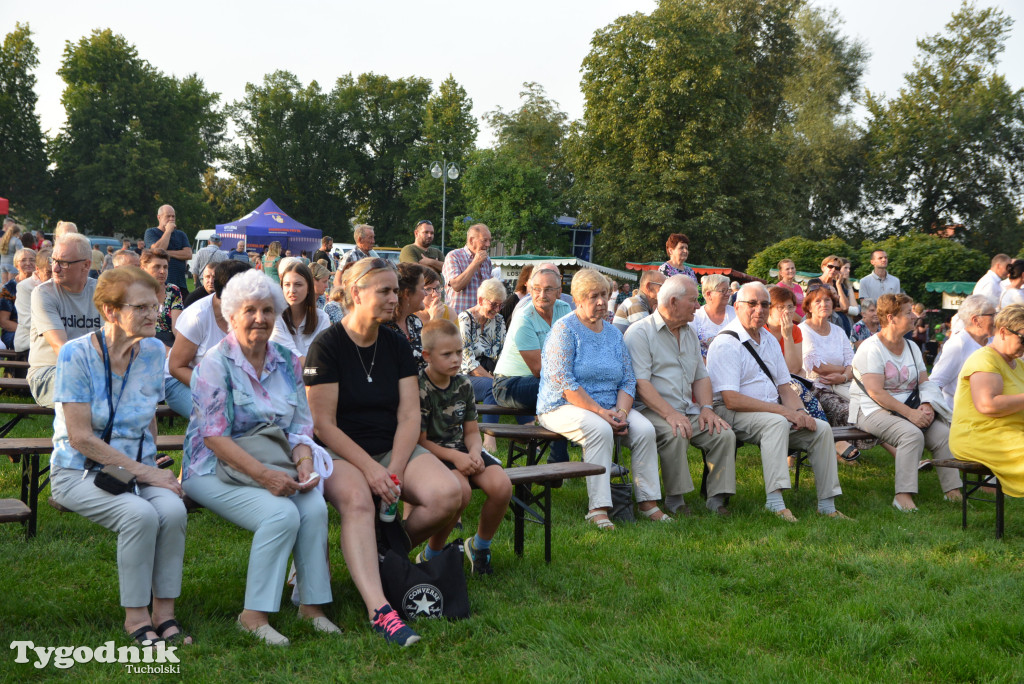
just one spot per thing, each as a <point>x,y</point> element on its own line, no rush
<point>586,393</point>
<point>483,334</point>
<point>248,385</point>
<point>107,387</point>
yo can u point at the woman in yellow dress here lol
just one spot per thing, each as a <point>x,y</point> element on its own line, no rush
<point>988,414</point>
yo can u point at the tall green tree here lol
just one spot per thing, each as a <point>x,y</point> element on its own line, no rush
<point>134,139</point>
<point>449,135</point>
<point>535,134</point>
<point>387,119</point>
<point>24,178</point>
<point>689,126</point>
<point>949,148</point>
<point>512,196</point>
<point>294,146</point>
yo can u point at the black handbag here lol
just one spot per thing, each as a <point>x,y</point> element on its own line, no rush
<point>622,496</point>
<point>434,589</point>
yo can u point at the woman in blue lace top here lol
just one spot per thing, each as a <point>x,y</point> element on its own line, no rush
<point>586,393</point>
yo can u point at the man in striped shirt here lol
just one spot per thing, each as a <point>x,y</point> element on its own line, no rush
<point>636,308</point>
<point>465,268</point>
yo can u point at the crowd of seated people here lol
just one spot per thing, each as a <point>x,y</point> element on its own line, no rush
<point>292,409</point>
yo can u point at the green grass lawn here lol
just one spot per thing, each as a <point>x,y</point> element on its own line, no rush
<point>890,597</point>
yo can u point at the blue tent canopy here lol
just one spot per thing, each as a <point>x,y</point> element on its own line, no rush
<point>268,223</point>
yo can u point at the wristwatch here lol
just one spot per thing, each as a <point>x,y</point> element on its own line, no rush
<point>707,406</point>
<point>802,409</point>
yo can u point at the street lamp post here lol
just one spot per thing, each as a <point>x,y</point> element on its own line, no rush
<point>444,170</point>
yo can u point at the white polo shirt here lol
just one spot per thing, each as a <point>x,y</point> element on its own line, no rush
<point>732,368</point>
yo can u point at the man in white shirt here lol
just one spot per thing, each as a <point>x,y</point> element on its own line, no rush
<point>978,313</point>
<point>879,281</point>
<point>991,284</point>
<point>674,393</point>
<point>763,409</point>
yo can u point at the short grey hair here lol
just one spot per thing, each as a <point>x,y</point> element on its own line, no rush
<point>974,305</point>
<point>675,288</point>
<point>761,289</point>
<point>361,230</point>
<point>868,303</point>
<point>247,286</point>
<point>25,250</point>
<point>76,242</point>
<point>538,272</point>
<point>492,289</point>
<point>712,281</point>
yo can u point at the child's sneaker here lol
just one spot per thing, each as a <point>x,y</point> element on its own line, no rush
<point>479,559</point>
<point>387,623</point>
<point>421,557</point>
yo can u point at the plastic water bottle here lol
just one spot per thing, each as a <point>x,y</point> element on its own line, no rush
<point>389,511</point>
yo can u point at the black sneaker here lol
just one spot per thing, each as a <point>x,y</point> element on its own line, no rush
<point>479,559</point>
<point>387,623</point>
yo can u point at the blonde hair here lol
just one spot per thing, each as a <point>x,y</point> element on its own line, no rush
<point>356,271</point>
<point>587,280</point>
<point>1011,318</point>
<point>273,250</point>
<point>711,281</point>
<point>11,233</point>
<point>435,330</point>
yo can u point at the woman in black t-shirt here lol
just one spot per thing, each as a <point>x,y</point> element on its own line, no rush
<point>363,392</point>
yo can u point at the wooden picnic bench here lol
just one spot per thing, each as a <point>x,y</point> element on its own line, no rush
<point>14,364</point>
<point>847,433</point>
<point>15,385</point>
<point>13,355</point>
<point>34,476</point>
<point>975,477</point>
<point>19,411</point>
<point>524,441</point>
<point>525,498</point>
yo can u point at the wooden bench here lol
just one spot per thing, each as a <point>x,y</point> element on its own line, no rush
<point>495,410</point>
<point>20,411</point>
<point>14,510</point>
<point>14,364</point>
<point>525,441</point>
<point>14,385</point>
<point>523,480</point>
<point>975,477</point>
<point>14,355</point>
<point>847,433</point>
<point>35,477</point>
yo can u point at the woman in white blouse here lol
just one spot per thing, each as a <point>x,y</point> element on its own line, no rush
<point>828,361</point>
<point>716,314</point>
<point>302,321</point>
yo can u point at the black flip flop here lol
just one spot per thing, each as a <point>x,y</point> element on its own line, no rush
<point>846,454</point>
<point>140,634</point>
<point>177,638</point>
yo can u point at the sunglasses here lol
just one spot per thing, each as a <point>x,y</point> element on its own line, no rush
<point>835,266</point>
<point>424,223</point>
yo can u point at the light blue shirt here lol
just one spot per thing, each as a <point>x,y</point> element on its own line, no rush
<point>527,332</point>
<point>576,357</point>
<point>82,379</point>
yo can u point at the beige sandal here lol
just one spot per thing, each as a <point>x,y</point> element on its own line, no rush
<point>653,511</point>
<point>603,523</point>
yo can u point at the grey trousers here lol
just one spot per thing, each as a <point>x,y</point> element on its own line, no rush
<point>150,532</point>
<point>675,470</point>
<point>910,442</point>
<point>283,525</point>
<point>773,434</point>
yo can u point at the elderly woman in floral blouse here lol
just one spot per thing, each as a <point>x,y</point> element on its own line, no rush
<point>248,400</point>
<point>483,334</point>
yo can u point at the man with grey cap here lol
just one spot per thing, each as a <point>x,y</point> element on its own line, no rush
<point>674,393</point>
<point>210,254</point>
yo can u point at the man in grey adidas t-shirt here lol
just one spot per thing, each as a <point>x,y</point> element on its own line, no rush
<point>62,309</point>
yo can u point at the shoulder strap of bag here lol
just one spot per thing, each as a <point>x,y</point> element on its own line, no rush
<point>750,348</point>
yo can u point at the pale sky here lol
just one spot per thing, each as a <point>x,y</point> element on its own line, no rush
<point>491,48</point>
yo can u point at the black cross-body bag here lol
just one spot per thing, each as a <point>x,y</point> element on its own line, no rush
<point>111,478</point>
<point>750,348</point>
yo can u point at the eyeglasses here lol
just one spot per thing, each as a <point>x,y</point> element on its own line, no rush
<point>434,289</point>
<point>142,309</point>
<point>721,291</point>
<point>544,290</point>
<point>63,264</point>
<point>754,303</point>
<point>835,266</point>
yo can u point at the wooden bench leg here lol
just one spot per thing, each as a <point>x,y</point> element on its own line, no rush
<point>999,510</point>
<point>963,503</point>
<point>522,505</point>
